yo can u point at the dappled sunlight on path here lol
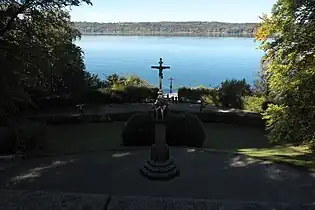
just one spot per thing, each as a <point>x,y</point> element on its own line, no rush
<point>204,174</point>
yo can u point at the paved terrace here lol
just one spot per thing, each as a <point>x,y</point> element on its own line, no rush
<point>111,180</point>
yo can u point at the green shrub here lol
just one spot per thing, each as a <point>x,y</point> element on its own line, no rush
<point>120,94</point>
<point>7,144</point>
<point>193,93</point>
<point>97,97</point>
<point>26,137</point>
<point>31,136</point>
<point>253,103</point>
<point>247,119</point>
<point>232,91</point>
<point>209,95</point>
<point>175,125</point>
<point>195,134</point>
<point>181,130</point>
<point>139,130</point>
<point>56,101</point>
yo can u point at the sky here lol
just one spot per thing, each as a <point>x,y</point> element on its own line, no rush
<point>237,11</point>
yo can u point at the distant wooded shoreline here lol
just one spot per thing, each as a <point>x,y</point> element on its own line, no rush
<point>168,34</point>
<point>193,29</point>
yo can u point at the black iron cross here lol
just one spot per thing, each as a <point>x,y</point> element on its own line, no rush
<point>160,68</point>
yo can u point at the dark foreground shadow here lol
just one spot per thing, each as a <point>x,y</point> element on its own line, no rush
<point>216,176</point>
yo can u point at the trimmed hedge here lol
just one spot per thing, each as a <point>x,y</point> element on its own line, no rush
<point>26,137</point>
<point>139,130</point>
<point>247,119</point>
<point>181,130</point>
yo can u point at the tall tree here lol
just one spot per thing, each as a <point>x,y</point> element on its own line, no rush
<point>290,52</point>
<point>36,50</point>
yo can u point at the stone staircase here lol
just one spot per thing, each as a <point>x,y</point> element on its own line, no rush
<point>35,200</point>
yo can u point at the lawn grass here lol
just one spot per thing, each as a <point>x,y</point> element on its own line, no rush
<point>249,141</point>
<point>254,143</point>
<point>298,156</point>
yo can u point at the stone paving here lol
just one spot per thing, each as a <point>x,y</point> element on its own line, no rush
<point>207,181</point>
<point>38,200</point>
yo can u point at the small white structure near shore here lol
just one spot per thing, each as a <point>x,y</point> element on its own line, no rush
<point>170,95</point>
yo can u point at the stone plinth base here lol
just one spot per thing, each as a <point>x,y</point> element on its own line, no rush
<point>160,170</point>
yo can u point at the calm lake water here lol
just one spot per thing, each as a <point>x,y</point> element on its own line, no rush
<point>194,61</point>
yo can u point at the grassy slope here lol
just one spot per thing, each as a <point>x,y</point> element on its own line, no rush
<point>231,138</point>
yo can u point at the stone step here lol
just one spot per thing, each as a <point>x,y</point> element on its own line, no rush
<point>154,203</point>
<point>31,200</point>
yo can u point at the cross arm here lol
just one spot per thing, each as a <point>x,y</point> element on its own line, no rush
<point>159,67</point>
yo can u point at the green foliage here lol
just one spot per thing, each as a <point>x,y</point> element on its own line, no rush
<point>193,93</point>
<point>181,130</point>
<point>260,87</point>
<point>168,28</point>
<point>121,89</point>
<point>7,144</point>
<point>139,130</point>
<point>23,137</point>
<point>93,81</point>
<point>291,70</point>
<point>194,134</point>
<point>228,94</point>
<point>37,53</point>
<point>97,97</point>
<point>253,103</point>
<point>208,95</point>
<point>232,91</point>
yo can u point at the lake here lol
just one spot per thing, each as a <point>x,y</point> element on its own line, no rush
<point>194,61</point>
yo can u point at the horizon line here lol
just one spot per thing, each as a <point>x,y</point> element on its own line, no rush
<point>190,21</point>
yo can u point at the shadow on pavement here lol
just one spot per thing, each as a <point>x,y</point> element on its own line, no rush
<point>204,175</point>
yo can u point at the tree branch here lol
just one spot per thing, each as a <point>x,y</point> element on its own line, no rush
<point>21,9</point>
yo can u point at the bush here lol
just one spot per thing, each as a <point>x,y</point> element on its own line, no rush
<point>7,145</point>
<point>139,130</point>
<point>26,137</point>
<point>237,118</point>
<point>97,97</point>
<point>181,130</point>
<point>120,94</point>
<point>195,134</point>
<point>253,103</point>
<point>56,101</point>
<point>193,93</point>
<point>232,91</point>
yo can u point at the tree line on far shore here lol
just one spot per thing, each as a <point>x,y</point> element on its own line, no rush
<point>168,28</point>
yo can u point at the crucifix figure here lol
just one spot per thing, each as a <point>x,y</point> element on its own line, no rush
<point>171,85</point>
<point>160,68</point>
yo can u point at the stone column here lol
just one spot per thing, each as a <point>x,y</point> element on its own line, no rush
<point>161,165</point>
<point>160,150</point>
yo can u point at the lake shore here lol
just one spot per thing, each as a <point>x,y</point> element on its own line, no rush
<point>179,34</point>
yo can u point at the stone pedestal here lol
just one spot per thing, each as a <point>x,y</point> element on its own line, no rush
<point>160,166</point>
